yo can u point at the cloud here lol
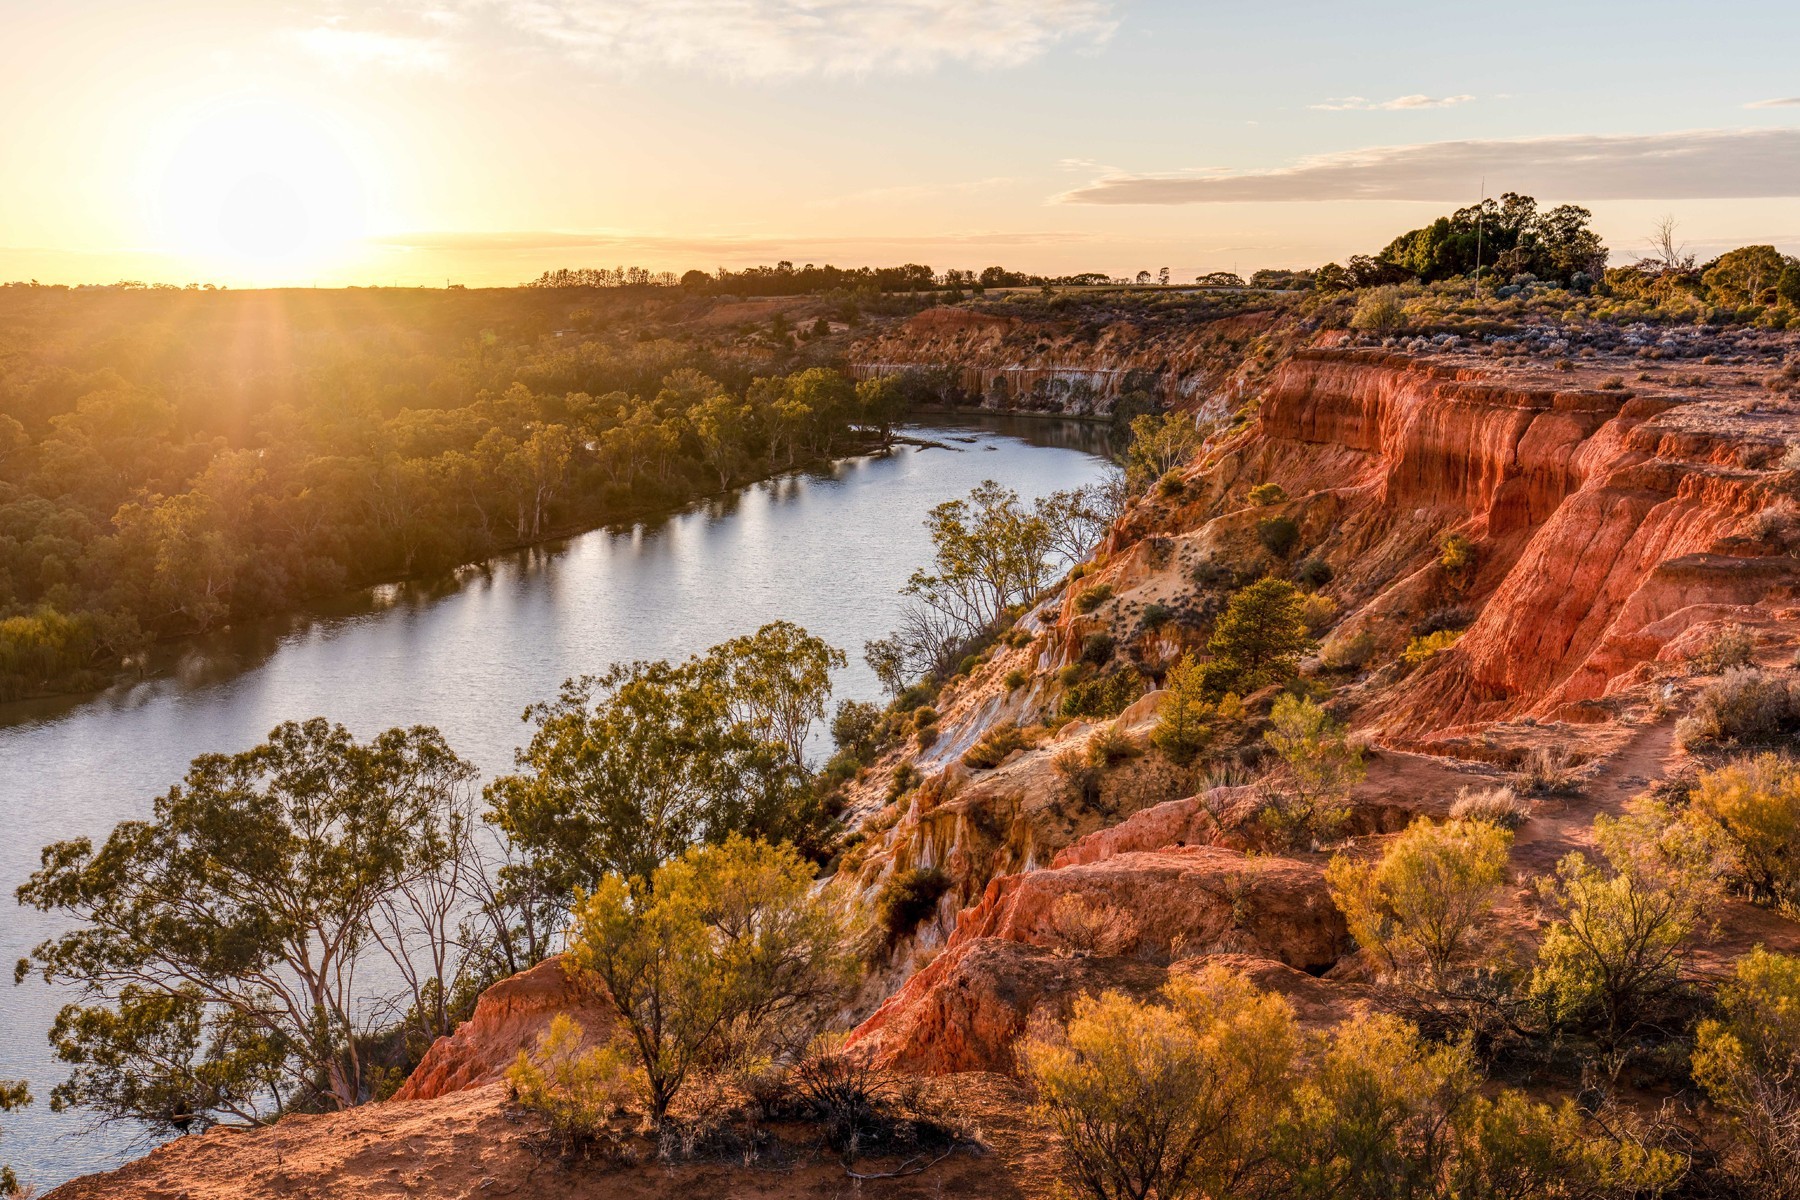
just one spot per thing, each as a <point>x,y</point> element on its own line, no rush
<point>1691,165</point>
<point>1776,102</point>
<point>1397,104</point>
<point>348,49</point>
<point>767,39</point>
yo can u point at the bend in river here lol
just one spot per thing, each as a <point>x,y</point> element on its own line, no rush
<point>827,550</point>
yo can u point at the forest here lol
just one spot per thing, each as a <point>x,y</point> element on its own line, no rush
<point>172,461</point>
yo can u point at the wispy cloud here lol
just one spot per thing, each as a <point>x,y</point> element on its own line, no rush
<point>1776,102</point>
<point>1397,104</point>
<point>350,49</point>
<point>767,39</point>
<point>1691,165</point>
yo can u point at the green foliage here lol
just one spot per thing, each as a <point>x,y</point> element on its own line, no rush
<point>996,744</point>
<point>722,955</point>
<point>1422,649</point>
<point>13,1095</point>
<point>1097,649</point>
<point>219,938</point>
<point>1279,535</point>
<point>1748,1061</point>
<point>627,769</point>
<point>1747,275</point>
<point>178,477</point>
<point>856,729</point>
<point>1322,766</point>
<point>1159,444</point>
<point>1514,239</point>
<point>1102,696</point>
<point>1750,808</point>
<point>1380,310</point>
<point>1090,598</point>
<point>1184,722</point>
<point>1347,651</point>
<point>1613,957</point>
<point>909,898</point>
<point>1175,1099</point>
<point>1419,907</point>
<point>574,1087</point>
<point>1016,679</point>
<point>1215,1092</point>
<point>1267,493</point>
<point>1259,639</point>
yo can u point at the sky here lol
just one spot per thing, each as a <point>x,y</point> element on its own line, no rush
<point>484,141</point>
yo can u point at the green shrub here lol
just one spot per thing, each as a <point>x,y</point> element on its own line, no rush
<point>1097,649</point>
<point>1264,494</point>
<point>1422,648</point>
<point>1750,808</point>
<point>1016,679</point>
<point>1109,747</point>
<point>1746,705</point>
<point>1156,616</point>
<point>575,1090</point>
<point>1279,535</point>
<point>1088,599</point>
<point>1348,652</point>
<point>1184,722</point>
<point>1102,696</point>
<point>1380,310</point>
<point>908,899</point>
<point>1259,639</point>
<point>995,745</point>
<point>1748,1061</point>
<point>1313,573</point>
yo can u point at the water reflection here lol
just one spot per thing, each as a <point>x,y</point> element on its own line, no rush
<point>828,549</point>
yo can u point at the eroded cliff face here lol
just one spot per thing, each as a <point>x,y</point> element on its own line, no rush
<point>1079,367</point>
<point>1612,528</point>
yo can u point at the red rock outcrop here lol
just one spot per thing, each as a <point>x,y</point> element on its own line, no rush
<point>509,1017</point>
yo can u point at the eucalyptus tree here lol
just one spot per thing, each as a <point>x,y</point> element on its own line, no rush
<point>229,948</point>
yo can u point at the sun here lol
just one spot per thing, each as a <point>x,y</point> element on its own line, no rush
<point>262,192</point>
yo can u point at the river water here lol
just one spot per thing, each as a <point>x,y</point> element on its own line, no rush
<point>828,550</point>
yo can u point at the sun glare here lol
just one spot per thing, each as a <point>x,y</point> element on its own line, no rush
<point>262,193</point>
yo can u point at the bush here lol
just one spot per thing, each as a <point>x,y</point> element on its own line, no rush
<point>1613,958</point>
<point>724,954</point>
<point>576,1091</point>
<point>1348,652</point>
<point>1457,556</point>
<point>1259,639</point>
<point>1316,612</point>
<point>1379,310</point>
<point>1184,722</point>
<point>1746,705</point>
<point>995,745</point>
<point>1156,616</point>
<point>1731,646</point>
<point>1109,747</point>
<point>1088,599</point>
<point>1279,535</point>
<point>1418,907</point>
<point>1264,494</point>
<point>1751,809</point>
<point>1322,767</point>
<point>1016,679</point>
<point>1090,929</point>
<point>1104,696</point>
<point>1215,1093</point>
<point>1171,484</point>
<point>1420,649</point>
<point>1496,805</point>
<point>1547,771</point>
<point>1748,1061</point>
<point>1097,649</point>
<point>855,728</point>
<point>1170,1100</point>
<point>1313,573</point>
<point>909,898</point>
<point>926,736</point>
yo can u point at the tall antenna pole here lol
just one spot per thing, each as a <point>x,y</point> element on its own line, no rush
<point>1480,204</point>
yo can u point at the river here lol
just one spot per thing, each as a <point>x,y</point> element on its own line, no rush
<point>828,550</point>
